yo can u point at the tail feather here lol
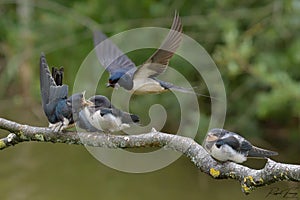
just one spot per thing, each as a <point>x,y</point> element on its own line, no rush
<point>135,118</point>
<point>171,86</point>
<point>128,117</point>
<point>258,152</point>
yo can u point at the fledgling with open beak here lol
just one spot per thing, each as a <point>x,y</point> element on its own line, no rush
<point>142,80</point>
<point>102,116</point>
<point>224,146</point>
<point>55,101</point>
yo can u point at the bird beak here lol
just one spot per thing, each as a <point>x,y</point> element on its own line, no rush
<point>87,103</point>
<point>211,138</point>
<point>83,94</point>
<point>110,85</point>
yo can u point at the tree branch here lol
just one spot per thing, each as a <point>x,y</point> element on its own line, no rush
<point>249,178</point>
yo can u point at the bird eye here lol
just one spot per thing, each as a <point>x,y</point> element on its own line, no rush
<point>113,80</point>
<point>218,145</point>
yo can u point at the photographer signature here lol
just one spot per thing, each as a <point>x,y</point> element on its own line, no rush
<point>288,193</point>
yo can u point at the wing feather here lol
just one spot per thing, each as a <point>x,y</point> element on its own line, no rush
<point>159,61</point>
<point>49,90</point>
<point>46,80</point>
<point>110,56</point>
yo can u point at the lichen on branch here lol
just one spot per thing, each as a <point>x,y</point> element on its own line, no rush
<point>249,178</point>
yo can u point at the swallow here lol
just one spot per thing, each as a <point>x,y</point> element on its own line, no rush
<point>224,146</point>
<point>142,80</point>
<point>56,104</point>
<point>102,116</point>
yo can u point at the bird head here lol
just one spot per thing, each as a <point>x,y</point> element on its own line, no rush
<point>120,78</point>
<point>100,101</point>
<point>113,80</point>
<point>77,101</point>
<point>212,137</point>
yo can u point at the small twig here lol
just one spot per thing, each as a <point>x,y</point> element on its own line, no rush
<point>249,178</point>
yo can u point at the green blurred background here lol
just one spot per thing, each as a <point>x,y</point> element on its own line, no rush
<point>255,45</point>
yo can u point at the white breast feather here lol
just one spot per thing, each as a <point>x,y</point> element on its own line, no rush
<point>225,153</point>
<point>107,123</point>
<point>146,85</point>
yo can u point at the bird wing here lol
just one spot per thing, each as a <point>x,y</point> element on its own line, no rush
<point>100,101</point>
<point>49,90</point>
<point>124,116</point>
<point>84,122</point>
<point>58,92</point>
<point>110,56</point>
<point>159,61</point>
<point>245,146</point>
<point>58,75</point>
<point>231,141</point>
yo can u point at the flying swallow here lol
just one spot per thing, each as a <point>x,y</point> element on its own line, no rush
<point>224,146</point>
<point>102,116</point>
<point>56,104</point>
<point>141,80</point>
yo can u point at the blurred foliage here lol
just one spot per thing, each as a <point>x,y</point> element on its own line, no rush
<point>255,45</point>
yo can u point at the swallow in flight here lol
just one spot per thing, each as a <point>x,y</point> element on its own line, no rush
<point>142,80</point>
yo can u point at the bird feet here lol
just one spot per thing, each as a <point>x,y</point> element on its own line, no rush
<point>59,126</point>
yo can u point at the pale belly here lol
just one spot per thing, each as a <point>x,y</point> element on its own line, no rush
<point>107,123</point>
<point>227,153</point>
<point>142,86</point>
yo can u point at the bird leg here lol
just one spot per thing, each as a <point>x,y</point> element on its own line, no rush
<point>59,126</point>
<point>69,126</point>
<point>64,125</point>
<point>56,127</point>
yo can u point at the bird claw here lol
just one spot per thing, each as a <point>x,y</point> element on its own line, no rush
<point>60,126</point>
<point>55,127</point>
<point>153,130</point>
<point>11,137</point>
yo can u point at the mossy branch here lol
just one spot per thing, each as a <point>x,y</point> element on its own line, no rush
<point>249,178</point>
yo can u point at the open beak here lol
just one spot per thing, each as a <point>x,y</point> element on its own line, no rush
<point>86,102</point>
<point>211,138</point>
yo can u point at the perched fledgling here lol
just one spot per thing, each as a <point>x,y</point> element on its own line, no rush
<point>56,104</point>
<point>102,116</point>
<point>142,80</point>
<point>228,146</point>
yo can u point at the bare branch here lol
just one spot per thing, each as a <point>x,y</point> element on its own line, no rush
<point>249,178</point>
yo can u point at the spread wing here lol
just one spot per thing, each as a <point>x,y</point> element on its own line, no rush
<point>230,141</point>
<point>49,89</point>
<point>58,75</point>
<point>110,56</point>
<point>159,61</point>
